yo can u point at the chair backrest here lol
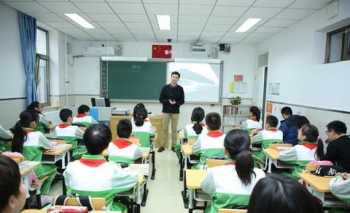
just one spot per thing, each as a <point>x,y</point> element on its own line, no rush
<point>96,202</point>
<point>215,162</point>
<point>232,211</point>
<point>144,137</point>
<point>267,143</point>
<point>32,153</point>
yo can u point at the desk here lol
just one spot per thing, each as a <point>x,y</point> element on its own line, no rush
<point>272,155</point>
<point>58,152</point>
<point>26,167</point>
<point>186,149</point>
<point>193,180</point>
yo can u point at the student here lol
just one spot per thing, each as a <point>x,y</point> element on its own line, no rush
<point>270,132</point>
<point>276,194</point>
<point>338,150</point>
<point>210,144</point>
<point>5,138</point>
<point>237,178</point>
<point>196,127</point>
<point>13,193</point>
<point>253,122</point>
<point>122,149</point>
<point>83,116</point>
<point>44,125</point>
<point>340,187</point>
<point>30,142</point>
<point>93,176</point>
<point>66,129</point>
<point>140,122</point>
<point>304,152</point>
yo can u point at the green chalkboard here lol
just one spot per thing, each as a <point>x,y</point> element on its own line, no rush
<point>134,80</point>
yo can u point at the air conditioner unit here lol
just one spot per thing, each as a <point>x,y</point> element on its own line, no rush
<point>99,51</point>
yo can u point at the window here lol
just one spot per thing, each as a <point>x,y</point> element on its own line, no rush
<point>42,66</point>
<point>338,45</point>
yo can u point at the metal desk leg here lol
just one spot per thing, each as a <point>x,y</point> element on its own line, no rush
<point>270,166</point>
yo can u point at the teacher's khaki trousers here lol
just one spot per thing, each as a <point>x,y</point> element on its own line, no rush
<point>172,118</point>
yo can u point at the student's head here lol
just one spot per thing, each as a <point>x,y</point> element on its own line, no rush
<point>12,193</point>
<point>96,138</point>
<point>66,115</point>
<point>237,144</point>
<point>27,119</point>
<point>335,129</point>
<point>124,128</point>
<point>139,115</point>
<point>286,112</point>
<point>271,122</point>
<point>276,194</point>
<point>175,76</point>
<point>196,118</point>
<point>254,113</point>
<point>83,109</point>
<point>35,106</point>
<point>213,121</point>
<point>308,133</point>
<point>301,120</point>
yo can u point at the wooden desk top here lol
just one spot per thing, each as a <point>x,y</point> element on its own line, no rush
<point>187,149</point>
<point>26,167</point>
<point>58,149</point>
<point>194,178</point>
<point>321,184</point>
<point>273,153</point>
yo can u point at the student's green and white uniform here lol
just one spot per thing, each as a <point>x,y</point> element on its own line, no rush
<point>210,145</point>
<point>190,133</point>
<point>71,134</point>
<point>146,127</point>
<point>43,124</point>
<point>123,151</point>
<point>93,176</point>
<point>83,119</point>
<point>251,124</point>
<point>5,135</point>
<point>226,189</point>
<point>32,150</point>
<point>341,189</point>
<point>299,156</point>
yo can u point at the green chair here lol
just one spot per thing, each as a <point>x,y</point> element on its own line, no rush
<point>146,141</point>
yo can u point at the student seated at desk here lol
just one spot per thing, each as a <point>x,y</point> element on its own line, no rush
<point>338,149</point>
<point>5,139</point>
<point>196,127</point>
<point>210,145</point>
<point>44,125</point>
<point>30,142</point>
<point>83,116</point>
<point>93,176</point>
<point>233,183</point>
<point>304,152</point>
<point>276,194</point>
<point>340,187</point>
<point>13,193</point>
<point>270,132</point>
<point>66,129</point>
<point>140,122</point>
<point>253,122</point>
<point>122,150</point>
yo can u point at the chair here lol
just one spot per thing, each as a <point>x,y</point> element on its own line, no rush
<point>94,203</point>
<point>232,211</point>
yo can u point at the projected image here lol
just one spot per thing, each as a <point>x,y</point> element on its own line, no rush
<point>201,81</point>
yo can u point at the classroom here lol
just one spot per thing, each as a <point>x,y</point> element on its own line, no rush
<point>151,106</point>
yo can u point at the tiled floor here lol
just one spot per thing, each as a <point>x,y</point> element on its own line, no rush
<point>164,192</point>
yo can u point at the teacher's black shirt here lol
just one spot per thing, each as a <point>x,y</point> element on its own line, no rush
<point>338,151</point>
<point>173,93</point>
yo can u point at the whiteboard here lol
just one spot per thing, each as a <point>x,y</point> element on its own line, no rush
<point>201,80</point>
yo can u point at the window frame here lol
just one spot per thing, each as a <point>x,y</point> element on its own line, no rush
<point>345,44</point>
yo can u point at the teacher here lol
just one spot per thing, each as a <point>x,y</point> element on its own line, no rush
<point>172,97</point>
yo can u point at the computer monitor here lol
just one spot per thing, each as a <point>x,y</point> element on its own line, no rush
<point>100,102</point>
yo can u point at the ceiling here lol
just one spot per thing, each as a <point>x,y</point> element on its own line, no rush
<point>191,20</point>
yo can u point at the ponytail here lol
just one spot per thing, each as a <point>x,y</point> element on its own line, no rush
<point>139,120</point>
<point>245,167</point>
<point>197,128</point>
<point>19,136</point>
<point>319,154</point>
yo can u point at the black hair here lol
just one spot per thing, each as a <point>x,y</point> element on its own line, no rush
<point>124,128</point>
<point>272,121</point>
<point>140,114</point>
<point>19,135</point>
<point>237,143</point>
<point>33,106</point>
<point>286,111</point>
<point>97,138</point>
<point>338,127</point>
<point>213,121</point>
<point>197,117</point>
<point>176,73</point>
<point>83,109</point>
<point>65,114</point>
<point>10,180</point>
<point>255,111</point>
<point>277,193</point>
<point>301,120</point>
<point>311,135</point>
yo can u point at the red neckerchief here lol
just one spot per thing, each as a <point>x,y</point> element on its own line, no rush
<point>310,145</point>
<point>122,143</point>
<point>81,115</point>
<point>63,125</point>
<point>215,133</point>
<point>92,162</point>
<point>273,129</point>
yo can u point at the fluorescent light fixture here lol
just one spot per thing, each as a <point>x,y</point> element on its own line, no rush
<point>163,22</point>
<point>249,23</point>
<point>79,20</point>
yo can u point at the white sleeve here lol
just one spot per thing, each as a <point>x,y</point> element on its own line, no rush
<point>208,184</point>
<point>44,142</point>
<point>288,155</point>
<point>340,188</point>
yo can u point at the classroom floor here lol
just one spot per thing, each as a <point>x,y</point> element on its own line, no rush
<point>164,192</point>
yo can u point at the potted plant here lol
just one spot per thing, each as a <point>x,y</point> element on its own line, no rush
<point>236,101</point>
